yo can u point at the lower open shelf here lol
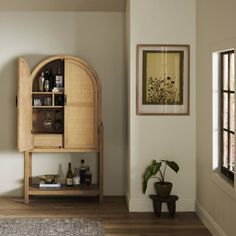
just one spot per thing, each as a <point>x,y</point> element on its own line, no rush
<point>81,190</point>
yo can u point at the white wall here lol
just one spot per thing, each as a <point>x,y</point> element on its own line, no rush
<point>216,199</point>
<point>96,37</point>
<point>162,137</point>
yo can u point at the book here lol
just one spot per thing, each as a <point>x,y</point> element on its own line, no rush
<point>43,185</point>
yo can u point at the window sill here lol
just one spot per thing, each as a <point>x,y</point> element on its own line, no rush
<point>224,184</point>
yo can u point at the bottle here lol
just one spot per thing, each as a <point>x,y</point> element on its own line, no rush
<point>69,176</point>
<point>82,172</point>
<point>41,82</point>
<point>88,176</point>
<point>76,177</point>
<point>46,81</point>
<point>47,123</point>
<point>59,79</point>
<point>46,85</point>
<point>57,123</point>
<point>51,80</point>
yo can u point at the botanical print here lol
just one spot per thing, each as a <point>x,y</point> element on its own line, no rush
<point>163,77</point>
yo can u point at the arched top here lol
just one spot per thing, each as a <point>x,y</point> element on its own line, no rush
<point>83,64</point>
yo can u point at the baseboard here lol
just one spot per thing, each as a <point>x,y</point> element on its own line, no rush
<point>208,221</point>
<point>145,205</point>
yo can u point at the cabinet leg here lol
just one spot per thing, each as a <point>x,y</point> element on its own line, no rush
<point>27,173</point>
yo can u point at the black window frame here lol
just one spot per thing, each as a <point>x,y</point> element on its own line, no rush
<point>225,171</point>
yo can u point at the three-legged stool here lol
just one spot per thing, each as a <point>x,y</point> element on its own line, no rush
<point>171,204</point>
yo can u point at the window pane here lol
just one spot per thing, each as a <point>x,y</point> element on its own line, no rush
<point>225,149</point>
<point>225,110</point>
<point>232,71</point>
<point>232,112</point>
<point>225,72</point>
<point>232,150</point>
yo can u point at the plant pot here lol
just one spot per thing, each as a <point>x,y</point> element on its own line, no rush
<point>163,189</point>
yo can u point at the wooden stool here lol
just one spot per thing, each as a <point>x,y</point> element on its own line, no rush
<point>157,203</point>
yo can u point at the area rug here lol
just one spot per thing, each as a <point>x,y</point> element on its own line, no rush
<point>50,227</point>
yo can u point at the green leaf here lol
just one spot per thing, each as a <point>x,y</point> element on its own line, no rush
<point>150,172</point>
<point>173,165</point>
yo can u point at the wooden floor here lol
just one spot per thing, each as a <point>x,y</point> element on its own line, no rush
<point>113,212</point>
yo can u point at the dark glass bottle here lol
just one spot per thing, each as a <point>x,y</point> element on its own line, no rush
<point>82,172</point>
<point>51,80</point>
<point>69,176</point>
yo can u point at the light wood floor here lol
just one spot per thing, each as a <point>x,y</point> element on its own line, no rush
<point>114,213</point>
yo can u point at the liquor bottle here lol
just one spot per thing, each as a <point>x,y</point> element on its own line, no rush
<point>41,82</point>
<point>51,80</point>
<point>88,176</point>
<point>46,81</point>
<point>57,123</point>
<point>59,79</point>
<point>69,176</point>
<point>82,172</point>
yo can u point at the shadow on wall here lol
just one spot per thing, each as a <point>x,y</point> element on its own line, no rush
<point>8,86</point>
<point>14,193</point>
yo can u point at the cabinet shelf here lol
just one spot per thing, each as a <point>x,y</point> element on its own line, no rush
<point>81,190</point>
<point>47,107</point>
<point>65,150</point>
<point>47,93</point>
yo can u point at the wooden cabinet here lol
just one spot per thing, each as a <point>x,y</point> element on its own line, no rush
<point>60,120</point>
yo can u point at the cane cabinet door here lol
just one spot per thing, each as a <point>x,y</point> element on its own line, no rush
<point>24,107</point>
<point>81,106</point>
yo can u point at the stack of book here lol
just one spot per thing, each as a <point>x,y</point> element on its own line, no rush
<point>54,185</point>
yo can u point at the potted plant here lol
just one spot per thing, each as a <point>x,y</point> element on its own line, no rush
<point>154,170</point>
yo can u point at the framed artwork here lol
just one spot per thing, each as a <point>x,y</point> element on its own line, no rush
<point>163,79</point>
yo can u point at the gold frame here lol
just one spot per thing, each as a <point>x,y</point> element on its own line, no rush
<point>166,64</point>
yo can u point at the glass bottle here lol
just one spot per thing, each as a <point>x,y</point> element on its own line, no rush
<point>47,123</point>
<point>76,177</point>
<point>57,123</point>
<point>46,85</point>
<point>88,176</point>
<point>51,80</point>
<point>59,79</point>
<point>41,82</point>
<point>82,172</point>
<point>69,176</point>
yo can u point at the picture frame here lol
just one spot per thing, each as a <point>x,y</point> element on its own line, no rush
<point>163,79</point>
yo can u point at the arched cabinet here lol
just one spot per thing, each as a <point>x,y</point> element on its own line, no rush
<point>76,104</point>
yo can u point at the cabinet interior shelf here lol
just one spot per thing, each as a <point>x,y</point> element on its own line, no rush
<point>81,190</point>
<point>49,93</point>
<point>47,107</point>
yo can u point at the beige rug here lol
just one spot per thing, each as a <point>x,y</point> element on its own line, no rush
<point>50,227</point>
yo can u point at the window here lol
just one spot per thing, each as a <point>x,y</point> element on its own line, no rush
<point>227,114</point>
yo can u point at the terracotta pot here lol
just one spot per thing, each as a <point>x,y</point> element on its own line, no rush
<point>163,189</point>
